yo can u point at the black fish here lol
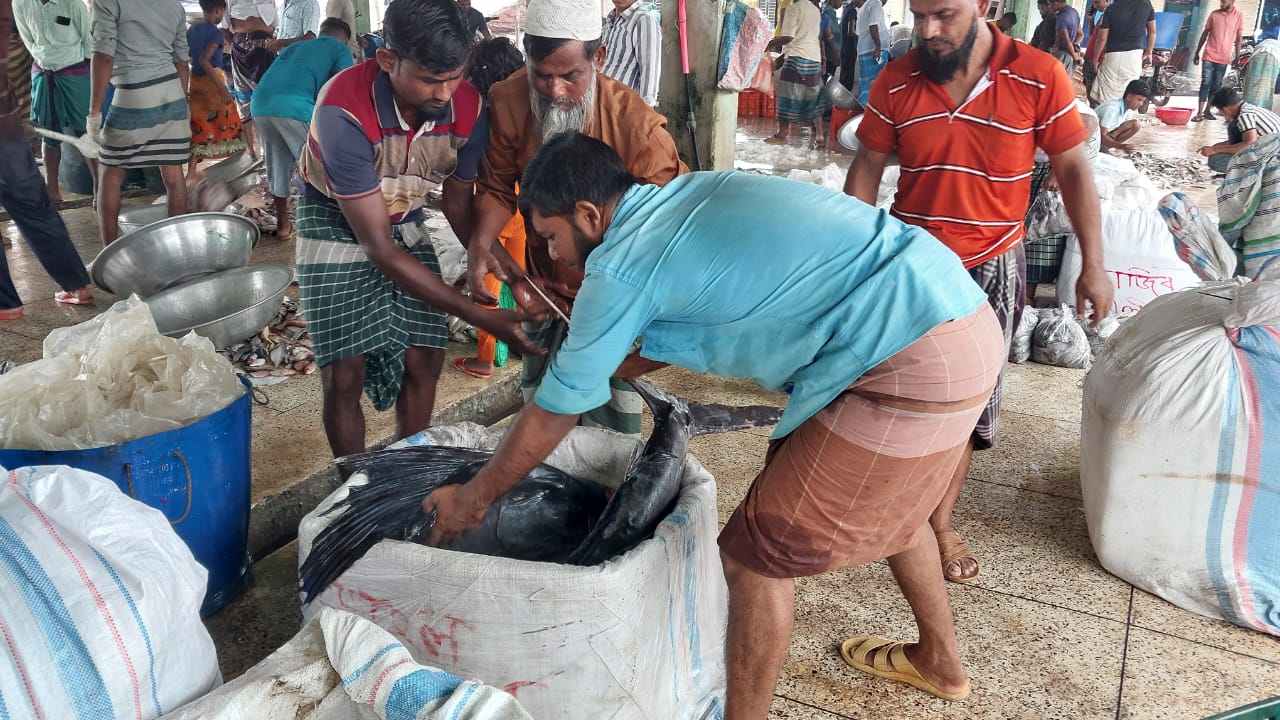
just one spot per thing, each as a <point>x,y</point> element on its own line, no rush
<point>548,516</point>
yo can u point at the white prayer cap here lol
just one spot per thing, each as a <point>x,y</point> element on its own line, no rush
<point>564,19</point>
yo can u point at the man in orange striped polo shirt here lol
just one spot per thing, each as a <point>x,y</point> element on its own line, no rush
<point>965,112</point>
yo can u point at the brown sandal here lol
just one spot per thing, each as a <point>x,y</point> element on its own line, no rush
<point>953,548</point>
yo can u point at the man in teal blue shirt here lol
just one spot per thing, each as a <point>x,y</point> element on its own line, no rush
<point>886,346</point>
<point>283,103</point>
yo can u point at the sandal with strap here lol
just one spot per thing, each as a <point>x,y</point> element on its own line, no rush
<point>460,364</point>
<point>11,313</point>
<point>888,659</point>
<point>953,548</point>
<point>74,298</point>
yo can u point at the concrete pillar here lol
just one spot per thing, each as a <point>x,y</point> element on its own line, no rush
<point>715,111</point>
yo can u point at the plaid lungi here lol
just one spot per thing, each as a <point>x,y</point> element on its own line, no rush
<point>1003,279</point>
<point>148,125</point>
<point>352,308</point>
<point>1044,255</point>
<point>625,409</point>
<point>799,85</point>
<point>868,69</point>
<point>1260,79</point>
<point>855,482</point>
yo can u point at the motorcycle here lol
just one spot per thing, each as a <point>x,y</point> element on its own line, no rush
<point>1165,76</point>
<point>1234,78</point>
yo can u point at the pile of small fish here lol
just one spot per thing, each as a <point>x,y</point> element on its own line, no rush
<point>1174,172</point>
<point>281,349</point>
<point>548,516</point>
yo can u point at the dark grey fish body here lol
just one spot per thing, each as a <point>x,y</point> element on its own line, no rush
<point>649,491</point>
<point>548,516</point>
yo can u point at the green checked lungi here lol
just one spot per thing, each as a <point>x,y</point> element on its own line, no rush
<point>352,308</point>
<point>625,409</point>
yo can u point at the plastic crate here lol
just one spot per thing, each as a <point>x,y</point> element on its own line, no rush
<point>768,106</point>
<point>838,119</point>
<point>1264,710</point>
<point>748,103</point>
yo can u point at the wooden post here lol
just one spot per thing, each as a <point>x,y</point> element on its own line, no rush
<point>715,111</point>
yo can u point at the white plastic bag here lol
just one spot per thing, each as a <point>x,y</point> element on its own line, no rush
<point>1179,430</point>
<point>1020,347</point>
<point>100,604</point>
<point>1059,340</point>
<point>303,680</point>
<point>1047,217</point>
<point>640,636</point>
<point>112,379</point>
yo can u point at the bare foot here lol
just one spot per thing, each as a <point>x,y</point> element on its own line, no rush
<point>55,195</point>
<point>775,140</point>
<point>946,674</point>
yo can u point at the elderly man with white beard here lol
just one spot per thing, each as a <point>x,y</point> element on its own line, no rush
<point>560,90</point>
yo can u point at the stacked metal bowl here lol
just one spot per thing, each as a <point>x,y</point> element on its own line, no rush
<point>192,271</point>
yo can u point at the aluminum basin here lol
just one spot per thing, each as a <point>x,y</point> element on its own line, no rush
<point>166,253</point>
<point>227,307</point>
<point>839,94</point>
<point>847,136</point>
<point>136,218</point>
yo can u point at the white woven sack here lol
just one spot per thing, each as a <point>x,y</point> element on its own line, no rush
<point>640,636</point>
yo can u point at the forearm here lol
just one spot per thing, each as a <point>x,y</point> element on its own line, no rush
<point>875,39</point>
<point>456,202</point>
<point>533,436</point>
<point>100,69</point>
<point>369,222</point>
<point>1108,143</point>
<point>863,180</point>
<point>1151,38</point>
<point>487,221</point>
<point>184,73</point>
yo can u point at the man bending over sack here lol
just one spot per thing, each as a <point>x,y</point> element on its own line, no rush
<point>889,363</point>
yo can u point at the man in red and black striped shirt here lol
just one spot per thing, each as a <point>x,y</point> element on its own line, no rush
<point>965,112</point>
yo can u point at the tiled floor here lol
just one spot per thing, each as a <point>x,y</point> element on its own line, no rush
<point>1046,632</point>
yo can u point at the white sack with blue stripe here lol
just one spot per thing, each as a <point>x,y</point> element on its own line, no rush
<point>638,637</point>
<point>99,603</point>
<point>1180,452</point>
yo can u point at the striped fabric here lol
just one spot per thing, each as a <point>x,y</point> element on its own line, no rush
<point>799,85</point>
<point>1260,79</point>
<point>869,67</point>
<point>632,41</point>
<point>1252,117</point>
<point>99,614</point>
<point>19,69</point>
<point>1003,280</point>
<point>854,483</point>
<point>625,409</point>
<point>148,125</point>
<point>966,171</point>
<point>1249,202</point>
<point>352,309</point>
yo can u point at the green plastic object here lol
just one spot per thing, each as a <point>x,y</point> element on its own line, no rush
<point>506,301</point>
<point>1264,710</point>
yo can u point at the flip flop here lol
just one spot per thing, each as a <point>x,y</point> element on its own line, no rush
<point>460,364</point>
<point>11,313</point>
<point>887,659</point>
<point>952,548</point>
<point>74,298</point>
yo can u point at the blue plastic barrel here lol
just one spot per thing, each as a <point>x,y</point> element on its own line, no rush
<point>1168,25</point>
<point>197,475</point>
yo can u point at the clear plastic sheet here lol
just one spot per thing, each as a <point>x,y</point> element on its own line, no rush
<point>110,380</point>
